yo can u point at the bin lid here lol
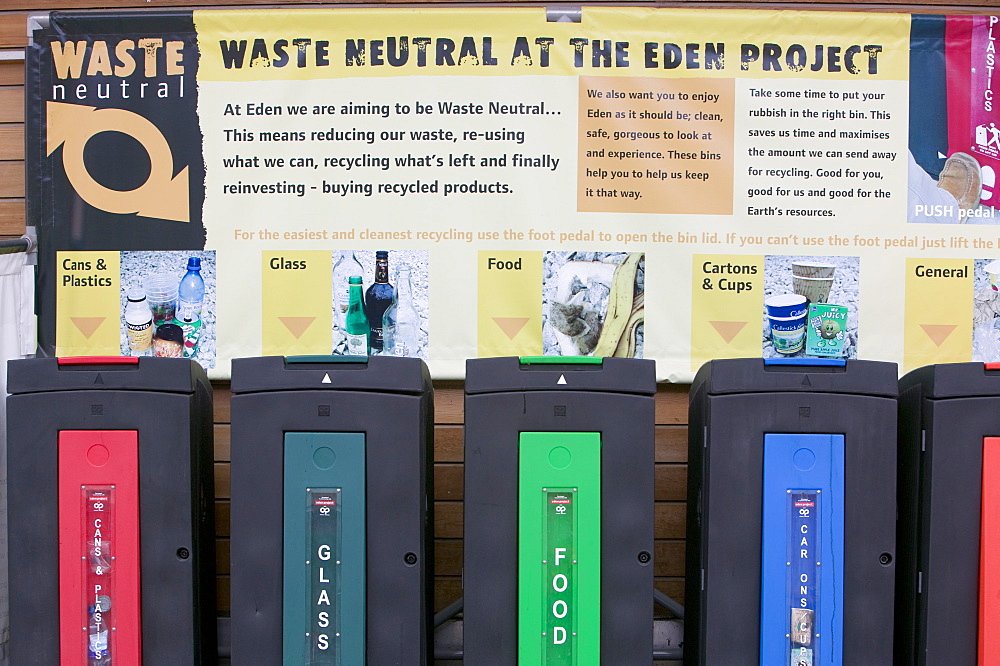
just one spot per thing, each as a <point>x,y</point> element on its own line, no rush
<point>954,380</point>
<point>758,375</point>
<point>382,374</point>
<point>560,373</point>
<point>108,373</point>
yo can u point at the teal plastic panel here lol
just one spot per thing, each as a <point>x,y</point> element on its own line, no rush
<point>324,549</point>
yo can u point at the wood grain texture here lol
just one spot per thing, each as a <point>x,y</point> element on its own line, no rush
<point>12,104</point>
<point>12,180</point>
<point>11,217</point>
<point>12,142</point>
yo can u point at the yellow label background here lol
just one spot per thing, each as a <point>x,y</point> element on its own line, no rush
<point>88,319</point>
<point>510,305</point>
<point>724,323</point>
<point>938,325</point>
<point>295,313</point>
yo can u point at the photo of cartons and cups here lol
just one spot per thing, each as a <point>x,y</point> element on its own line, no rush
<point>810,307</point>
<point>168,305</point>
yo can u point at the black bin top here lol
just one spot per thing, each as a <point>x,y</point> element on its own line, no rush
<point>380,374</point>
<point>107,373</point>
<point>560,373</point>
<point>758,375</point>
<point>954,380</point>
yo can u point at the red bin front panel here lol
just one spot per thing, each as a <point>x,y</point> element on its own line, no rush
<point>99,593</point>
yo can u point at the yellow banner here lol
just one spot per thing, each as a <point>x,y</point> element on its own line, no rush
<point>282,44</point>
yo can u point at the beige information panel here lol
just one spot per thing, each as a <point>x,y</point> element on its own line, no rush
<point>662,183</point>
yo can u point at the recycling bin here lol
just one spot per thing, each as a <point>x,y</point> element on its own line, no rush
<point>558,564</point>
<point>331,537</point>
<point>948,569</point>
<point>791,512</point>
<point>110,512</point>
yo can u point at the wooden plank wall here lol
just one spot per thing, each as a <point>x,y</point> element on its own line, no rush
<point>671,402</point>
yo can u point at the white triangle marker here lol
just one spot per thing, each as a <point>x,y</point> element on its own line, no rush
<point>326,378</point>
<point>562,379</point>
<point>942,157</point>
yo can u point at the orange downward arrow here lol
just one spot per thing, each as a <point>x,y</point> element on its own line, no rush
<point>938,333</point>
<point>87,325</point>
<point>728,329</point>
<point>297,325</point>
<point>511,326</point>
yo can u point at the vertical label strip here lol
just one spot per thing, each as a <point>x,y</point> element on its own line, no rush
<point>99,574</point>
<point>802,550</point>
<point>989,556</point>
<point>559,548</point>
<point>324,606</point>
<point>559,575</point>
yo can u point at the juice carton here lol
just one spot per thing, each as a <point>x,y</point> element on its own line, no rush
<point>826,329</point>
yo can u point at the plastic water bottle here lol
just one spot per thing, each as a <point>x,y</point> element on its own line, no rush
<point>190,293</point>
<point>190,297</point>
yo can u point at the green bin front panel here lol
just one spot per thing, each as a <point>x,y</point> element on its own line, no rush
<point>559,548</point>
<point>324,549</point>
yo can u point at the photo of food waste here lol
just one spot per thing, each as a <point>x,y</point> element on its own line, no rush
<point>380,302</point>
<point>810,306</point>
<point>592,303</point>
<point>168,305</point>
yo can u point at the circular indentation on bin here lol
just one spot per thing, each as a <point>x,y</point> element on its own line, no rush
<point>98,455</point>
<point>324,457</point>
<point>183,553</point>
<point>804,460</point>
<point>644,557</point>
<point>885,559</point>
<point>410,559</point>
<point>560,457</point>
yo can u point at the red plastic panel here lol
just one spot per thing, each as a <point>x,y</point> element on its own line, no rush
<point>97,360</point>
<point>989,556</point>
<point>99,545</point>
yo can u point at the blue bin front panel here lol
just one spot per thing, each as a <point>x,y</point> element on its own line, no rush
<point>324,583</point>
<point>802,550</point>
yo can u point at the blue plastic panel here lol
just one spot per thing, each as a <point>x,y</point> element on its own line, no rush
<point>802,550</point>
<point>324,584</point>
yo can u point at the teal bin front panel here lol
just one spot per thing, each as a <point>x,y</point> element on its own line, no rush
<point>324,549</point>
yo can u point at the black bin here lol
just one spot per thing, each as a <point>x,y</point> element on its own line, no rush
<point>331,536</point>
<point>558,510</point>
<point>111,516</point>
<point>947,585</point>
<point>791,512</point>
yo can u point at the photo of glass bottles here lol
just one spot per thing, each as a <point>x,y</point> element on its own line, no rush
<point>168,305</point>
<point>380,302</point>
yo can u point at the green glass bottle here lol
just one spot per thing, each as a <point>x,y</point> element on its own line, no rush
<point>356,323</point>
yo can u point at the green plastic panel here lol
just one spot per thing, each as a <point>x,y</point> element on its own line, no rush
<point>561,360</point>
<point>324,587</point>
<point>559,549</point>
